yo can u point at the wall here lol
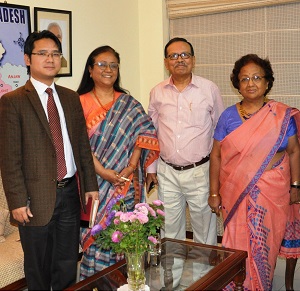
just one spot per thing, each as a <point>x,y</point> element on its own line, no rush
<point>137,29</point>
<point>153,35</point>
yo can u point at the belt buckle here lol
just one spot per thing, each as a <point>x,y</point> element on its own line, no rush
<point>61,184</point>
<point>181,168</point>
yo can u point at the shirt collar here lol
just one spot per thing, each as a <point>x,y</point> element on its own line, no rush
<point>169,81</point>
<point>41,87</point>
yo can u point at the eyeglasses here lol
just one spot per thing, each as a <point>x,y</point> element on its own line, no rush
<point>183,55</point>
<point>46,55</point>
<point>103,66</point>
<point>255,79</point>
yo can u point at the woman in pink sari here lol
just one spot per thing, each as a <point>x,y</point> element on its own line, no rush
<point>255,170</point>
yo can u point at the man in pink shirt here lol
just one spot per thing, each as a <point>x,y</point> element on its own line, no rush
<point>185,109</point>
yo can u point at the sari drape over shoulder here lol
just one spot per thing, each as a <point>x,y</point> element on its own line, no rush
<point>255,202</point>
<point>113,137</point>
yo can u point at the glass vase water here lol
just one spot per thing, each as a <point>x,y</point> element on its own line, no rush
<point>135,271</point>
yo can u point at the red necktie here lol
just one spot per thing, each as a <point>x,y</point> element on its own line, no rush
<point>55,128</point>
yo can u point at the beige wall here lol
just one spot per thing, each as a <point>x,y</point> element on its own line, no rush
<point>137,29</point>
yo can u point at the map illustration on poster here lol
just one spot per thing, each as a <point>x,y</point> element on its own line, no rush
<point>14,29</point>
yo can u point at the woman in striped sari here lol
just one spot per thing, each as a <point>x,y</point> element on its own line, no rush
<point>123,142</point>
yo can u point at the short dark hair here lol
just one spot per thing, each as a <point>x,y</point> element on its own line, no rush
<point>35,36</point>
<point>87,83</point>
<point>177,39</point>
<point>255,59</point>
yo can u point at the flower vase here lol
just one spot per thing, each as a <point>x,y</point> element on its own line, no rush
<point>135,271</point>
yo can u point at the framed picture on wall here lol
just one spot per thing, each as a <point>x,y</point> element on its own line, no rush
<point>60,23</point>
<point>14,29</point>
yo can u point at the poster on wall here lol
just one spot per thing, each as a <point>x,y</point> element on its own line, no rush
<point>60,23</point>
<point>14,29</point>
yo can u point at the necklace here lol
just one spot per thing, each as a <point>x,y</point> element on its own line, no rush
<point>247,115</point>
<point>102,106</point>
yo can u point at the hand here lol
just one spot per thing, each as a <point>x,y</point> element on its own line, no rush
<point>113,177</point>
<point>22,214</point>
<point>94,195</point>
<point>151,177</point>
<point>124,175</point>
<point>295,196</point>
<point>215,204</point>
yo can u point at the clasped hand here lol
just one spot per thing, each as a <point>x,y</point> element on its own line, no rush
<point>115,178</point>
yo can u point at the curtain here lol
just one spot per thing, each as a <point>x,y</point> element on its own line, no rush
<point>219,39</point>
<point>189,8</point>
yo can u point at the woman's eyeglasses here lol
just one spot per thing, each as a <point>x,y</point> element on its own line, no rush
<point>103,66</point>
<point>254,79</point>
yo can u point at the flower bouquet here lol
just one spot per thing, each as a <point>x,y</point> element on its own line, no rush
<point>130,233</point>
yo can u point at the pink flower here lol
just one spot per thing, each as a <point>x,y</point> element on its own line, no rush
<point>152,212</point>
<point>118,213</point>
<point>142,208</point>
<point>142,217</point>
<point>140,205</point>
<point>157,202</point>
<point>117,236</point>
<point>159,211</point>
<point>133,217</point>
<point>124,217</point>
<point>116,221</point>
<point>152,239</point>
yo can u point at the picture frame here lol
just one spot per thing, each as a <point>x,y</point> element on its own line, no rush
<point>15,26</point>
<point>60,23</point>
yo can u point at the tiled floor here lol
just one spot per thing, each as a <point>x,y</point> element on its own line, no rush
<point>278,281</point>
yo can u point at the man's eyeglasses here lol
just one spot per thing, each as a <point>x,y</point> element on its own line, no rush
<point>255,79</point>
<point>45,55</point>
<point>103,66</point>
<point>183,55</point>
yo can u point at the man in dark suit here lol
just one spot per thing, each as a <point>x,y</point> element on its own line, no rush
<point>44,198</point>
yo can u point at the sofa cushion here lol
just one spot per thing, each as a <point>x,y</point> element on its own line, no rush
<point>3,219</point>
<point>11,260</point>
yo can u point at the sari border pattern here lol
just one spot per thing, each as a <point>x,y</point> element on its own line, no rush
<point>263,166</point>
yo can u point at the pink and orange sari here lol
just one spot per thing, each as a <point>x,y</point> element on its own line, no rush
<point>255,202</point>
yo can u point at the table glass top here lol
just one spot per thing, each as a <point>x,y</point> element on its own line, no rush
<point>180,264</point>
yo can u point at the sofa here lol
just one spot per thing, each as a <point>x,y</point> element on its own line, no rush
<point>11,253</point>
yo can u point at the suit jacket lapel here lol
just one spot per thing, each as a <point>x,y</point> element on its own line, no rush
<point>36,103</point>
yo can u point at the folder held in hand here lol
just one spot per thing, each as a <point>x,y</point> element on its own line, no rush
<point>94,210</point>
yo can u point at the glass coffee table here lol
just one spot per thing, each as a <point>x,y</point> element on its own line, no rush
<point>182,265</point>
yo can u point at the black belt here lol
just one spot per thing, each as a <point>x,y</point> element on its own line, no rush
<point>64,182</point>
<point>182,168</point>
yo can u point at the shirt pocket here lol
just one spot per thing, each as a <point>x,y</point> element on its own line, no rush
<point>200,117</point>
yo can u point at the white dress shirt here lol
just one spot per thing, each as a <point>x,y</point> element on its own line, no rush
<point>40,88</point>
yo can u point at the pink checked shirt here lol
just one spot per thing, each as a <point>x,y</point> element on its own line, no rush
<point>185,121</point>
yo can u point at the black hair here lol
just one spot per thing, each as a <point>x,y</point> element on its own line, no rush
<point>255,59</point>
<point>35,36</point>
<point>177,39</point>
<point>87,83</point>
